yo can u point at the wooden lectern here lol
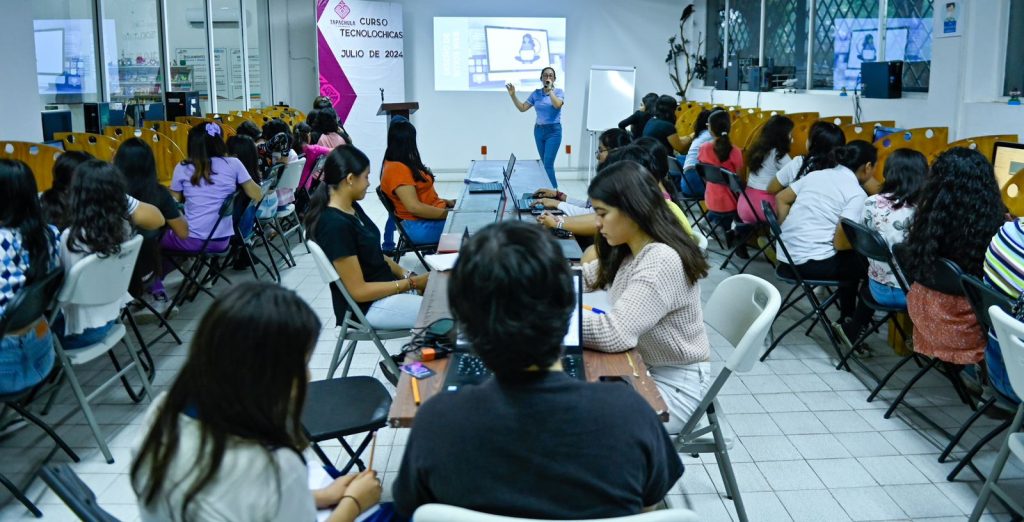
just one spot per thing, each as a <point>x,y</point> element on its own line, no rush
<point>403,109</point>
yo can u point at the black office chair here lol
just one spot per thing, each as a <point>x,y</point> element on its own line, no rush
<point>946,279</point>
<point>76,494</point>
<point>982,297</point>
<point>871,245</point>
<point>29,305</point>
<point>337,408</point>
<point>405,244</point>
<point>786,273</point>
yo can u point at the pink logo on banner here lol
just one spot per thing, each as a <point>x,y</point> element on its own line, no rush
<point>334,84</point>
<point>342,9</point>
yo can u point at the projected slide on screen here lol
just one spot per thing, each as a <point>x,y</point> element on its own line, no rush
<point>857,40</point>
<point>50,51</point>
<point>66,56</point>
<point>483,54</point>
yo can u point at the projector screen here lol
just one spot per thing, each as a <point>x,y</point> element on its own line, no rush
<point>50,51</point>
<point>483,54</point>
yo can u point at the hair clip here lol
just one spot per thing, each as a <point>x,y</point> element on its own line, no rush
<point>213,129</point>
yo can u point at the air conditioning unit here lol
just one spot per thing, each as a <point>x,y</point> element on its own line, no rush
<point>223,17</point>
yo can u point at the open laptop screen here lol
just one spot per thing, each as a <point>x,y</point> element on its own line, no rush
<point>574,337</point>
<point>1007,160</point>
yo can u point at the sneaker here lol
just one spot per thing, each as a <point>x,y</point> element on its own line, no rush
<point>840,335</point>
<point>160,303</point>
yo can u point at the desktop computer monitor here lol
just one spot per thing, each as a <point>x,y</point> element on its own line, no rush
<point>1007,160</point>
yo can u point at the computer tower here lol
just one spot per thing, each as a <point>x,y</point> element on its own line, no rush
<point>735,76</point>
<point>55,121</point>
<point>97,116</point>
<point>882,79</point>
<point>757,79</point>
<point>182,103</point>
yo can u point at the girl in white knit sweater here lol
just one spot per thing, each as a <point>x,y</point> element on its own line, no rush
<point>651,270</point>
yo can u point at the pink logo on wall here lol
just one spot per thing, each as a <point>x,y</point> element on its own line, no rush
<point>334,84</point>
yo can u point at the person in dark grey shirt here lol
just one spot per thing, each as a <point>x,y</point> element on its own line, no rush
<point>530,442</point>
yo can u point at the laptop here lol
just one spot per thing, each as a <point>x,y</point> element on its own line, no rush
<point>1007,160</point>
<point>467,369</point>
<point>526,202</point>
<point>493,188</point>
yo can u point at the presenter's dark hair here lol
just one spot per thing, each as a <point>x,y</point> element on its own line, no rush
<point>20,211</point>
<point>634,193</point>
<point>245,378</point>
<point>719,124</point>
<point>55,200</point>
<point>136,161</point>
<point>614,138</point>
<point>775,136</point>
<point>650,100</point>
<point>823,137</point>
<point>665,108</point>
<point>552,69</point>
<point>204,144</point>
<point>509,329</point>
<point>905,173</point>
<point>959,211</point>
<point>341,163</point>
<point>402,148</point>
<point>99,209</point>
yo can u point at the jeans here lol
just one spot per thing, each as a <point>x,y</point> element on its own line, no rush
<point>423,231</point>
<point>691,185</point>
<point>27,359</point>
<point>395,312</point>
<point>682,387</point>
<point>997,369</point>
<point>886,295</point>
<point>389,234</point>
<point>548,138</point>
<point>88,337</point>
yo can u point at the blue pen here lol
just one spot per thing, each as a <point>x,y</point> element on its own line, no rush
<point>592,309</point>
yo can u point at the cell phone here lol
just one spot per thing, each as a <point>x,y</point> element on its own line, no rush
<point>417,370</point>
<point>624,379</point>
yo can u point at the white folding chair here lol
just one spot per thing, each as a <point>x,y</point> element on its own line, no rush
<point>354,327</point>
<point>446,513</point>
<point>92,281</point>
<point>290,181</point>
<point>741,309</point>
<point>1010,333</point>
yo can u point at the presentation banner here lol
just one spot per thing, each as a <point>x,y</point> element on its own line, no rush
<point>360,52</point>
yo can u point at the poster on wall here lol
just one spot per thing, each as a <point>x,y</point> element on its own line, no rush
<point>361,59</point>
<point>949,18</point>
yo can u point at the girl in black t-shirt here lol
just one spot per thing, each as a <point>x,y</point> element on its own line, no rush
<point>385,292</point>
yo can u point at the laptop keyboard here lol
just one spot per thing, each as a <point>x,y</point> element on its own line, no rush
<point>484,187</point>
<point>471,365</point>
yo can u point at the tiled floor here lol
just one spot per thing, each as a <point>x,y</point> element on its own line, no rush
<point>806,444</point>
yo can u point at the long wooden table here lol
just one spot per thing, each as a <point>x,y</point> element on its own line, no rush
<point>596,364</point>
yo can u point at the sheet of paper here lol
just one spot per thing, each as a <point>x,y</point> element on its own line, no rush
<point>442,262</point>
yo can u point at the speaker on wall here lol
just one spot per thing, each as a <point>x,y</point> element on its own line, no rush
<point>882,79</point>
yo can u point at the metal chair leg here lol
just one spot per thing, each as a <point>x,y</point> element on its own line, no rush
<point>963,429</point>
<point>903,393</point>
<point>722,456</point>
<point>24,412</point>
<point>997,470</point>
<point>881,383</point>
<point>83,401</point>
<point>978,446</point>
<point>20,496</point>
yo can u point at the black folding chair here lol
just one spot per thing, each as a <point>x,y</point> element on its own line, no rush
<point>690,204</point>
<point>872,246</point>
<point>788,273</point>
<point>207,265</point>
<point>249,231</point>
<point>752,230</point>
<point>405,244</point>
<point>713,175</point>
<point>76,494</point>
<point>343,406</point>
<point>29,305</point>
<point>945,279</point>
<point>982,297</point>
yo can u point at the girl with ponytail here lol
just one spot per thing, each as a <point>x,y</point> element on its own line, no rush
<point>385,292</point>
<point>720,152</point>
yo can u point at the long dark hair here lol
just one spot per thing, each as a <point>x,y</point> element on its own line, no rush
<point>701,123</point>
<point>340,163</point>
<point>243,148</point>
<point>54,201</point>
<point>960,210</point>
<point>719,123</point>
<point>649,100</point>
<point>823,138</point>
<point>245,377</point>
<point>327,122</point>
<point>665,108</point>
<point>402,148</point>
<point>614,138</point>
<point>774,136</point>
<point>634,193</point>
<point>658,163</point>
<point>905,173</point>
<point>21,212</point>
<point>99,209</point>
<point>301,136</point>
<point>205,142</point>
<point>135,160</point>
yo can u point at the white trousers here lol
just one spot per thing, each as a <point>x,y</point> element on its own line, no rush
<point>682,388</point>
<point>395,312</point>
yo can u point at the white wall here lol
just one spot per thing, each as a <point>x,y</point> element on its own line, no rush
<point>453,125</point>
<point>964,93</point>
<point>19,97</point>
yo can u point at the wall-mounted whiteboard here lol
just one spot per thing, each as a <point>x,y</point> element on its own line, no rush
<point>611,96</point>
